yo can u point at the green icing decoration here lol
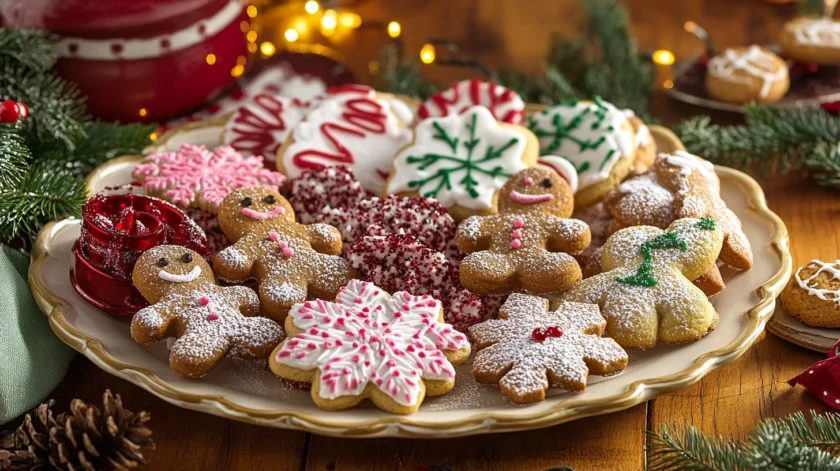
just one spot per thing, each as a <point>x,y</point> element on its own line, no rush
<point>668,240</point>
<point>463,163</point>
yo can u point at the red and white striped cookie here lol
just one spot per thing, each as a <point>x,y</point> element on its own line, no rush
<point>505,104</point>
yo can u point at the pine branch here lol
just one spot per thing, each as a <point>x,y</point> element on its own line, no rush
<point>14,157</point>
<point>683,447</point>
<point>27,47</point>
<point>404,78</point>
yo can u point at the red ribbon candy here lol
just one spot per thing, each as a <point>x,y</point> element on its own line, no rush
<point>823,378</point>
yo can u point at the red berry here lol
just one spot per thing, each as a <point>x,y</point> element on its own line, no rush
<point>9,112</point>
<point>539,335</point>
<point>555,331</point>
<point>24,110</point>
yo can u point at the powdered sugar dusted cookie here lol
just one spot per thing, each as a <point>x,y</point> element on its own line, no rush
<point>462,161</point>
<point>746,74</point>
<point>595,137</point>
<point>529,349</point>
<point>391,350</point>
<point>209,321</point>
<point>352,126</point>
<point>504,104</point>
<point>645,292</point>
<point>262,125</point>
<point>197,177</point>
<point>290,261</point>
<point>527,245</point>
<point>813,294</point>
<point>812,40</point>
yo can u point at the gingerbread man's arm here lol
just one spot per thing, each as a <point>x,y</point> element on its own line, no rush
<point>567,235</point>
<point>324,238</point>
<point>247,299</point>
<point>235,263</point>
<point>154,323</point>
<point>474,234</point>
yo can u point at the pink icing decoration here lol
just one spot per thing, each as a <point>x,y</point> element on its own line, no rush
<point>385,345</point>
<point>516,234</point>
<point>516,243</point>
<point>529,181</point>
<point>260,216</point>
<point>518,223</point>
<point>273,236</point>
<point>213,316</point>
<point>288,252</point>
<point>204,300</point>
<point>197,175</point>
<point>522,198</point>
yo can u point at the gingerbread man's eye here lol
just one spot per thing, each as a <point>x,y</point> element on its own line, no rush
<point>246,201</point>
<point>162,262</point>
<point>548,183</point>
<point>186,258</point>
<point>270,199</point>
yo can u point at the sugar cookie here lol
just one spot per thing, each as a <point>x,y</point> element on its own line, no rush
<point>813,294</point>
<point>746,74</point>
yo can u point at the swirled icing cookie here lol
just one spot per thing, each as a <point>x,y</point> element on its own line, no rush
<point>595,137</point>
<point>529,349</point>
<point>813,294</point>
<point>812,40</point>
<point>209,321</point>
<point>504,104</point>
<point>370,345</point>
<point>462,161</point>
<point>746,74</point>
<point>352,126</point>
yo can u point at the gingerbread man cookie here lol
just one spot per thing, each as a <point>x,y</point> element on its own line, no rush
<point>645,292</point>
<point>529,349</point>
<point>368,344</point>
<point>746,74</point>
<point>462,161</point>
<point>208,320</point>
<point>527,245</point>
<point>290,261</point>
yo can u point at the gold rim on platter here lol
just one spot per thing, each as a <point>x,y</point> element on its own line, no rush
<point>410,426</point>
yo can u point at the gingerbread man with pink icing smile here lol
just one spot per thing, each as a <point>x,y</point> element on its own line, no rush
<point>529,243</point>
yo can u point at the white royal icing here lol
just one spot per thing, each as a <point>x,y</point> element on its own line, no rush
<point>643,135</point>
<point>367,337</point>
<point>593,136</point>
<point>185,278</point>
<point>351,127</point>
<point>817,32</point>
<point>459,160</point>
<point>563,167</point>
<point>262,125</point>
<point>832,268</point>
<point>754,61</point>
<point>688,163</point>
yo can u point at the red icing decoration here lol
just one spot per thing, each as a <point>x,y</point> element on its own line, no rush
<point>555,331</point>
<point>539,335</point>
<point>475,89</point>
<point>255,133</point>
<point>823,378</point>
<point>116,230</point>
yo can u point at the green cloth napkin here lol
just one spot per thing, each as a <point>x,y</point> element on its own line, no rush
<point>32,359</point>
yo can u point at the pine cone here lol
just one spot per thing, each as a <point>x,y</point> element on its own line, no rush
<point>28,446</point>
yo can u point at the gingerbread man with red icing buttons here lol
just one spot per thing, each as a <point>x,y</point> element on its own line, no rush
<point>209,321</point>
<point>527,245</point>
<point>291,262</point>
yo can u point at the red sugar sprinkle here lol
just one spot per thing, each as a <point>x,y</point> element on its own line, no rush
<point>204,300</point>
<point>311,346</point>
<point>213,316</point>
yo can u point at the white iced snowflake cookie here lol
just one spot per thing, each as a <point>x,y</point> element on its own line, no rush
<point>370,345</point>
<point>462,161</point>
<point>595,137</point>
<point>262,125</point>
<point>746,74</point>
<point>353,126</point>
<point>505,104</point>
<point>812,40</point>
<point>529,349</point>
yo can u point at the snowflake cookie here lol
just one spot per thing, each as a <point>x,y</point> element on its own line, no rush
<point>197,177</point>
<point>352,126</point>
<point>529,349</point>
<point>462,161</point>
<point>646,293</point>
<point>368,344</point>
<point>505,104</point>
<point>262,125</point>
<point>209,321</point>
<point>595,137</point>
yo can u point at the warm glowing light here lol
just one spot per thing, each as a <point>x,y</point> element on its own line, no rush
<point>268,49</point>
<point>663,57</point>
<point>252,11</point>
<point>394,29</point>
<point>690,26</point>
<point>328,21</point>
<point>153,136</point>
<point>143,112</point>
<point>427,54</point>
<point>311,7</point>
<point>350,20</point>
<point>291,35</point>
<point>252,47</point>
<point>668,84</point>
<point>244,26</point>
<point>211,59</point>
<point>241,60</point>
<point>237,70</point>
<point>251,36</point>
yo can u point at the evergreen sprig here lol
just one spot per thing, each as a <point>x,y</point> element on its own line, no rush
<point>791,443</point>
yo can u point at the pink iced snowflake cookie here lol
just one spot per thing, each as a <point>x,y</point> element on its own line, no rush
<point>353,126</point>
<point>367,344</point>
<point>261,125</point>
<point>529,349</point>
<point>505,104</point>
<point>197,177</point>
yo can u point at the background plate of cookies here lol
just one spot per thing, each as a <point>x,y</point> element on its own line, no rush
<point>249,391</point>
